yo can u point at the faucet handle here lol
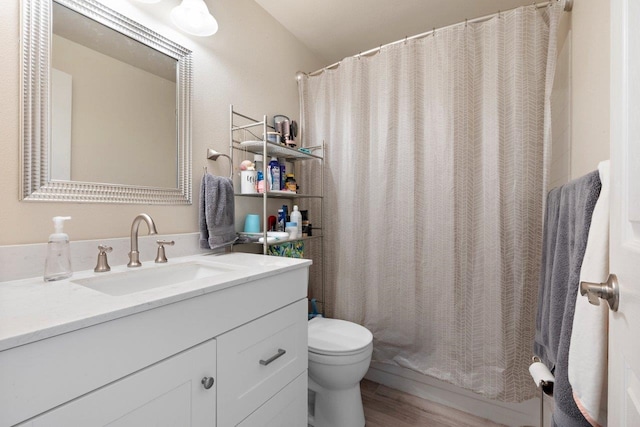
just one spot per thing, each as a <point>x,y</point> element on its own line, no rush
<point>162,257</point>
<point>105,249</point>
<point>103,264</point>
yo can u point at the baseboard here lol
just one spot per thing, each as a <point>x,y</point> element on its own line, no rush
<point>511,414</point>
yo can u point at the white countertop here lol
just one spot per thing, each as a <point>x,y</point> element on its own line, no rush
<point>32,310</point>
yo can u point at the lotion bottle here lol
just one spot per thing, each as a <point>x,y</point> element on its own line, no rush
<point>57,265</point>
<point>296,217</point>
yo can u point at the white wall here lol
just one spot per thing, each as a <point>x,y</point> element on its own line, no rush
<point>590,27</point>
<point>560,166</point>
<point>251,62</point>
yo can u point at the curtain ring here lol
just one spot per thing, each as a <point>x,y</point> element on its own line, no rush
<point>359,55</point>
<point>433,33</point>
<point>466,22</point>
<point>405,39</point>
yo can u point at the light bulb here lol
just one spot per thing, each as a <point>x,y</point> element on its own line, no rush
<point>193,17</point>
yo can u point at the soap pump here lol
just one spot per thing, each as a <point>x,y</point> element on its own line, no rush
<point>57,266</point>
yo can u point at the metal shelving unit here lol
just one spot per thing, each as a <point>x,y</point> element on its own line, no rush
<point>247,134</point>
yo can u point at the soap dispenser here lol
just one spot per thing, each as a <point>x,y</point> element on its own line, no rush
<point>57,266</point>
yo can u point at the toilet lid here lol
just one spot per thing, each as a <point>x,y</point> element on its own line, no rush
<point>337,336</point>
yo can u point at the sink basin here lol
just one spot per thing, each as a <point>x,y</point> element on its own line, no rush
<point>130,282</point>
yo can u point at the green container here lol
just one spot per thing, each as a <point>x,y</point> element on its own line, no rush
<point>293,249</point>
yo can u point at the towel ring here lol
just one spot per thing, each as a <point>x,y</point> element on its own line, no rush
<point>213,155</point>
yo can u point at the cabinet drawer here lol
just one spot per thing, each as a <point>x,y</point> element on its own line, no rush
<point>260,359</point>
<point>288,408</point>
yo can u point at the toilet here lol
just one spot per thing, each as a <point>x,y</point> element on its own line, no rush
<point>339,357</point>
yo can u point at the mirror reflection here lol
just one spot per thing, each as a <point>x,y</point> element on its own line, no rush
<point>113,106</point>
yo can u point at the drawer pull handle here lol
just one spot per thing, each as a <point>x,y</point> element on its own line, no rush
<point>207,382</point>
<point>280,353</point>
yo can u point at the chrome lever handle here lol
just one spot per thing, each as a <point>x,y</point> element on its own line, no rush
<point>161,257</point>
<point>608,291</point>
<point>103,264</point>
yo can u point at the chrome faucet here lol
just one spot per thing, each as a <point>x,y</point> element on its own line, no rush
<point>134,255</point>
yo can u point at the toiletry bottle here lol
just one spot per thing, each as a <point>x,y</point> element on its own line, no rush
<point>257,160</point>
<point>285,208</point>
<point>274,171</point>
<point>281,220</point>
<point>57,265</point>
<point>260,184</point>
<point>268,179</point>
<point>290,183</point>
<point>296,217</point>
<point>283,174</point>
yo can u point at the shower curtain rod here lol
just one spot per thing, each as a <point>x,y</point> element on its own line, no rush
<point>567,7</point>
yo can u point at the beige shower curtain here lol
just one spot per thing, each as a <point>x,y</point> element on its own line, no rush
<point>434,186</point>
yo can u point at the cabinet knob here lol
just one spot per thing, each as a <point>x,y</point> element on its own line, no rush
<point>207,382</point>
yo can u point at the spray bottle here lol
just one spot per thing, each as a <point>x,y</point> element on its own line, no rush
<point>57,266</point>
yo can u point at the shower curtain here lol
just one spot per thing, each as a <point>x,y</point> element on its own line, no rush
<point>435,179</point>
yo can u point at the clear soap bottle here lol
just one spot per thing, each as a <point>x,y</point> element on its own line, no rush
<point>57,266</point>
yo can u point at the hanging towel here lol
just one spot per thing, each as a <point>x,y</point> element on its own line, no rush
<point>567,221</point>
<point>217,227</point>
<point>589,337</point>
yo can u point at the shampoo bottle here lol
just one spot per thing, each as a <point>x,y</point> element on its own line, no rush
<point>57,266</point>
<point>296,217</point>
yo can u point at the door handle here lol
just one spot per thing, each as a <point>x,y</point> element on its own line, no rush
<point>608,291</point>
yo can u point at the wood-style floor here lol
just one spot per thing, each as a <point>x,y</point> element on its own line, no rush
<point>386,407</point>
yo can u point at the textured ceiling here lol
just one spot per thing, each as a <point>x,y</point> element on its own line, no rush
<point>334,29</point>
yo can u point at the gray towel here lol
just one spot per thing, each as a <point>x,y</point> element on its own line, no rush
<point>566,228</point>
<point>217,212</point>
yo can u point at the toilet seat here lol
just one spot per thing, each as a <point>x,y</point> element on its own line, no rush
<point>334,337</point>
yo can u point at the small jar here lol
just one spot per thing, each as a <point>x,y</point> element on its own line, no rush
<point>290,183</point>
<point>292,229</point>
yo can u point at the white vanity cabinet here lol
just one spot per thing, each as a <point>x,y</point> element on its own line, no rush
<point>147,368</point>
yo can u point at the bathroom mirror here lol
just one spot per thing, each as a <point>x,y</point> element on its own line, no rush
<point>105,108</point>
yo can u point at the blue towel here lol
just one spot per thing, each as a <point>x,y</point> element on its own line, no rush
<point>217,212</point>
<point>566,228</point>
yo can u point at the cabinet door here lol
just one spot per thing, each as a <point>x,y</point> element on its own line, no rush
<point>167,394</point>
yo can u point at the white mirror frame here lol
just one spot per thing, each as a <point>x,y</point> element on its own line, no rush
<point>36,115</point>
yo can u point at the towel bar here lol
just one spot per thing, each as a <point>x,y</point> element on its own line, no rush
<point>213,155</point>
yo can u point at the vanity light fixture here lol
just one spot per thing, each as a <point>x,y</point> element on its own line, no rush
<point>193,17</point>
